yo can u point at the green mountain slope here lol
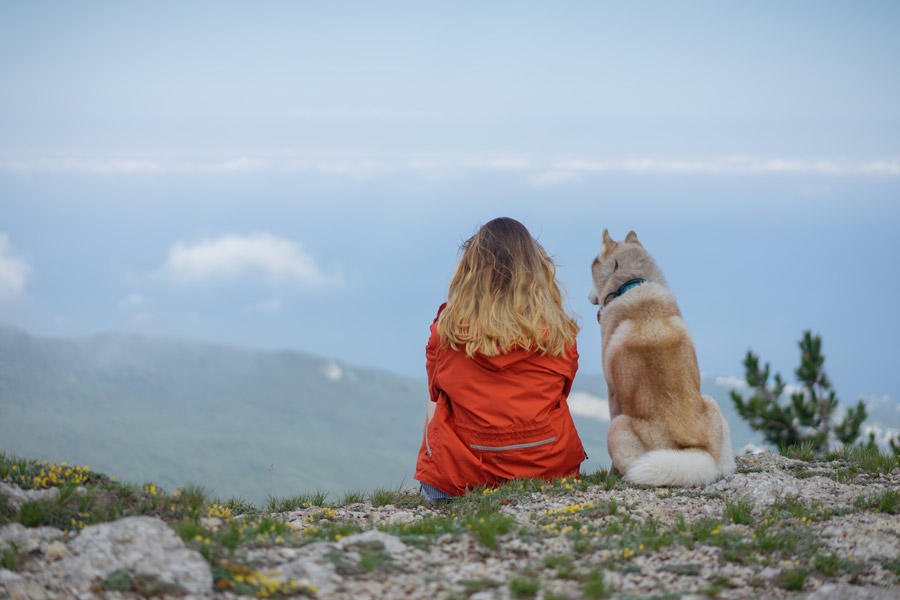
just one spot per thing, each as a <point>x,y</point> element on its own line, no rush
<point>241,422</point>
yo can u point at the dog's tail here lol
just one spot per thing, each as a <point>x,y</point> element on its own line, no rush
<point>679,468</point>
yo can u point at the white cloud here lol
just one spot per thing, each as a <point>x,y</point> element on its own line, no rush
<point>269,306</point>
<point>233,257</point>
<point>132,301</point>
<point>586,405</point>
<point>332,371</point>
<point>540,170</point>
<point>731,382</point>
<point>14,271</point>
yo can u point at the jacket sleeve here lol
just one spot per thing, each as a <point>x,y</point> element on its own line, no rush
<point>572,355</point>
<point>431,354</point>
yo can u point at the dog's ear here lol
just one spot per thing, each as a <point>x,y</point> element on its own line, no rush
<point>608,243</point>
<point>631,238</point>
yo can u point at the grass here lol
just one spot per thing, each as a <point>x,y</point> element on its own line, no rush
<point>525,586</point>
<point>792,579</point>
<point>740,511</point>
<point>595,585</point>
<point>10,557</point>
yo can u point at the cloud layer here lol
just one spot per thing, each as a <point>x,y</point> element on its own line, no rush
<point>539,170</point>
<point>232,257</point>
<point>14,271</point>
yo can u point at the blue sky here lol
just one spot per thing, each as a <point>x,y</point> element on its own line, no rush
<point>291,175</point>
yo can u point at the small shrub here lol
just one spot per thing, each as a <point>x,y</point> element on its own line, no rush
<point>740,512</point>
<point>524,587</point>
<point>611,480</point>
<point>827,564</point>
<point>888,501</point>
<point>353,497</point>
<point>9,558</point>
<point>805,451</point>
<point>595,586</point>
<point>381,497</point>
<point>792,579</point>
<point>487,526</point>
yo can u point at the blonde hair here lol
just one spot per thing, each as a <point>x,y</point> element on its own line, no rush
<point>504,295</point>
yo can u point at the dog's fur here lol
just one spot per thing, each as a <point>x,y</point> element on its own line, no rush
<point>663,431</point>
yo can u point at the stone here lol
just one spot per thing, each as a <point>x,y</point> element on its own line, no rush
<point>17,496</point>
<point>55,551</point>
<point>845,591</point>
<point>139,545</point>
<point>392,545</point>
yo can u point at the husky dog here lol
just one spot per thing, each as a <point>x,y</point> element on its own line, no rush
<point>663,431</point>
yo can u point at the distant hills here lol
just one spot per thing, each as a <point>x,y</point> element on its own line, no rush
<point>244,423</point>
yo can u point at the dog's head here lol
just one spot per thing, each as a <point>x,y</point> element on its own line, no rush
<point>619,262</point>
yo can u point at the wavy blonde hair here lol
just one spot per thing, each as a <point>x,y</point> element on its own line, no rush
<point>504,295</point>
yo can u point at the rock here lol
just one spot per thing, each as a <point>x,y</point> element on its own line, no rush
<point>17,496</point>
<point>392,545</point>
<point>25,539</point>
<point>55,551</point>
<point>314,566</point>
<point>139,545</point>
<point>845,591</point>
<point>401,516</point>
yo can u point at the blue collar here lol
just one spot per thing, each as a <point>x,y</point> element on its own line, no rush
<point>624,288</point>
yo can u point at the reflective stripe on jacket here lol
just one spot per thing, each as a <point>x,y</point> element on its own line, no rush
<point>497,418</point>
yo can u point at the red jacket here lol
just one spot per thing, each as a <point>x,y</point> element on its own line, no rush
<point>497,418</point>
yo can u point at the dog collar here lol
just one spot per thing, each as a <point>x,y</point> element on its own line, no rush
<point>624,288</point>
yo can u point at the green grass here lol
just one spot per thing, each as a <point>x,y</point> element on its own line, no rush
<point>382,497</point>
<point>806,452</point>
<point>740,512</point>
<point>595,586</point>
<point>792,579</point>
<point>525,586</point>
<point>10,557</point>
<point>888,501</point>
<point>353,497</point>
<point>486,526</point>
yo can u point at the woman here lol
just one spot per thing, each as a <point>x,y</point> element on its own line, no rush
<point>500,363</point>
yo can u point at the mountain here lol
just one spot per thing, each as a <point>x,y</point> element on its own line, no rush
<point>244,423</point>
<point>241,422</point>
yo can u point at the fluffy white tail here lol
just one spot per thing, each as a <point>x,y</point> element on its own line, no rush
<point>673,467</point>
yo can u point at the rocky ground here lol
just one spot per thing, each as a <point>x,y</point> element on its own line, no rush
<point>778,528</point>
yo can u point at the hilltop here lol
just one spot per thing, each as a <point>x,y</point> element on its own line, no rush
<point>780,527</point>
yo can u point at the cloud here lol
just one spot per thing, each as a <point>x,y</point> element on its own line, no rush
<point>269,306</point>
<point>332,371</point>
<point>586,405</point>
<point>14,271</point>
<point>540,170</point>
<point>731,382</point>
<point>233,257</point>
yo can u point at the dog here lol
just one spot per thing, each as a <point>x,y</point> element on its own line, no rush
<point>662,431</point>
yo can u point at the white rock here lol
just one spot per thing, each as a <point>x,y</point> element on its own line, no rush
<point>392,545</point>
<point>27,539</point>
<point>844,591</point>
<point>17,496</point>
<point>139,545</point>
<point>55,551</point>
<point>401,516</point>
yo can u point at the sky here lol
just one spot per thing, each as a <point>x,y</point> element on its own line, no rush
<point>292,175</point>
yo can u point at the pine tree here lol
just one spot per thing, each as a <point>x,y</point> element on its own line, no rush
<point>809,416</point>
